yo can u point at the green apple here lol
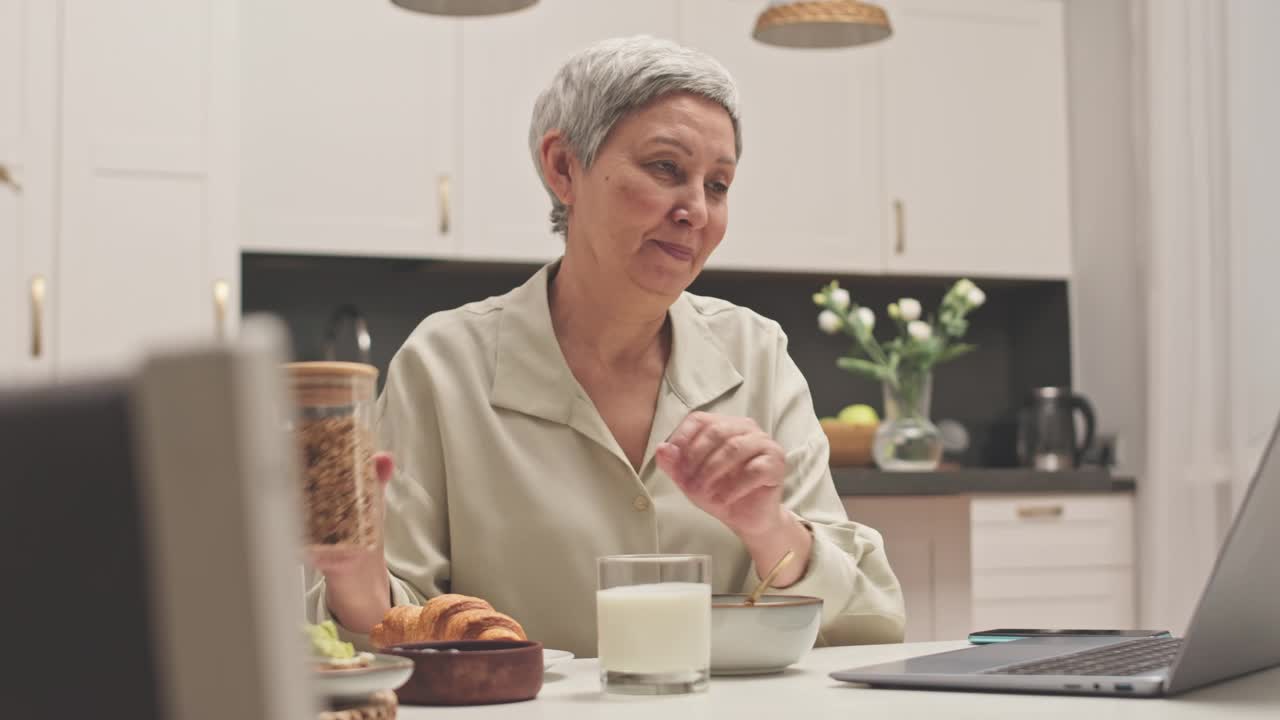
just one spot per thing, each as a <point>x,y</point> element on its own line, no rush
<point>859,415</point>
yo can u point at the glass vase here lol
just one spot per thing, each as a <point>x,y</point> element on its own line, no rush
<point>906,440</point>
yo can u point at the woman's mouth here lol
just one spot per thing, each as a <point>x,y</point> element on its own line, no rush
<point>679,252</point>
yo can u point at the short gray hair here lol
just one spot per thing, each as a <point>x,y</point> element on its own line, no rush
<point>600,84</point>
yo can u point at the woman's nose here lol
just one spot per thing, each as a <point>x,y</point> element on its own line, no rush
<point>691,210</point>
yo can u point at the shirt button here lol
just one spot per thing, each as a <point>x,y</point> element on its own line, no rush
<point>641,503</point>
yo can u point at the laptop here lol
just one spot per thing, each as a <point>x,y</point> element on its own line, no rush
<point>152,539</point>
<point>1235,630</point>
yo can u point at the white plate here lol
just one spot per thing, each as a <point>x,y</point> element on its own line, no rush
<point>554,657</point>
<point>386,672</point>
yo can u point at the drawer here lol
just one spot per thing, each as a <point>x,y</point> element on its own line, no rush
<point>1024,509</point>
<point>1091,614</point>
<point>1063,598</point>
<point>1034,585</point>
<point>1052,531</point>
<point>1060,599</point>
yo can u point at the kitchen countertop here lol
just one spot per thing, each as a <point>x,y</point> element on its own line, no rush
<point>572,690</point>
<point>871,481</point>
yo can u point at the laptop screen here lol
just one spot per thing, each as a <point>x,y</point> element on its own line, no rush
<point>1236,625</point>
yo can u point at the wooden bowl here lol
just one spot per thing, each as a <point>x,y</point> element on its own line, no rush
<point>850,444</point>
<point>471,672</point>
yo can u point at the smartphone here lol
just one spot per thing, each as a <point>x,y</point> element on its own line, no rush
<point>1007,634</point>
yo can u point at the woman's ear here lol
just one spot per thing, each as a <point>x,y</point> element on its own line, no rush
<point>559,165</point>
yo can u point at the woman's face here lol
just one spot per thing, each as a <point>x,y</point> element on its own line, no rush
<point>654,204</point>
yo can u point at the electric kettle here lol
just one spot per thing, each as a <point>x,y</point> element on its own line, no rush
<point>1047,429</point>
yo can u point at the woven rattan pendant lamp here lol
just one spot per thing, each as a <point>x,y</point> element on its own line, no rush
<point>464,8</point>
<point>821,23</point>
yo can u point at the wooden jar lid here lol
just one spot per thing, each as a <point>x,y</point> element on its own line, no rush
<point>329,384</point>
<point>331,368</point>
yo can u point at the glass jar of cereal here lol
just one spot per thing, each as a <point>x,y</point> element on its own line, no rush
<point>333,427</point>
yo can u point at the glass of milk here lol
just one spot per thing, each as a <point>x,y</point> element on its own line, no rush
<point>653,615</point>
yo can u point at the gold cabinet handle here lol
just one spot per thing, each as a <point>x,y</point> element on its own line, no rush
<point>38,287</point>
<point>442,196</point>
<point>1029,512</point>
<point>6,178</point>
<point>221,293</point>
<point>900,227</point>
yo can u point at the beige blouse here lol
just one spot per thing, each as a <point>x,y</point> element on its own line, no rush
<point>509,484</point>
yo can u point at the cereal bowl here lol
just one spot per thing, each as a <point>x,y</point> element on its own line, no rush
<point>762,638</point>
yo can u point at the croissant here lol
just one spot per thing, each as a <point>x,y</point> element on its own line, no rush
<point>445,618</point>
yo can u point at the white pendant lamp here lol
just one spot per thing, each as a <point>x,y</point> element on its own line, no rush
<point>821,23</point>
<point>464,8</point>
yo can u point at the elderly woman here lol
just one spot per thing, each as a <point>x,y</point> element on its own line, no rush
<point>599,408</point>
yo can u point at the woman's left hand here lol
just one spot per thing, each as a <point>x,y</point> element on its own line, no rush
<point>729,468</point>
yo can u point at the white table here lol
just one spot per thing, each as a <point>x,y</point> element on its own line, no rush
<point>805,692</point>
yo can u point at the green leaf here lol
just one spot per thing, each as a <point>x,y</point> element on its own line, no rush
<point>954,352</point>
<point>876,372</point>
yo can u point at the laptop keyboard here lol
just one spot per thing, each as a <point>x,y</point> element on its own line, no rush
<point>1126,658</point>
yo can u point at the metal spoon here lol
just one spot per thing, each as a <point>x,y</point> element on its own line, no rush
<point>782,561</point>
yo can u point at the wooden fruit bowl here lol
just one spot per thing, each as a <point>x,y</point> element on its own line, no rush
<point>850,444</point>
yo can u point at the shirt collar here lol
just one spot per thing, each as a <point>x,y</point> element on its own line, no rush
<point>532,377</point>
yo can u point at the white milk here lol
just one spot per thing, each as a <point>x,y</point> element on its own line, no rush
<point>658,628</point>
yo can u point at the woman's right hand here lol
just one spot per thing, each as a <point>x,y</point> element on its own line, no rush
<point>357,586</point>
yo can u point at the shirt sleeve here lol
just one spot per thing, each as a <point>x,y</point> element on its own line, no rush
<point>848,569</point>
<point>416,526</point>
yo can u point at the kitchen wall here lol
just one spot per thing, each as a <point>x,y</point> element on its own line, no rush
<point>1021,332</point>
<point>1107,292</point>
<point>1174,164</point>
<point>1254,97</point>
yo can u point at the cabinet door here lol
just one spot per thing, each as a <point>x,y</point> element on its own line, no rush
<point>146,174</point>
<point>28,141</point>
<point>926,540</point>
<point>807,192</point>
<point>349,138</point>
<point>506,62</point>
<point>975,138</point>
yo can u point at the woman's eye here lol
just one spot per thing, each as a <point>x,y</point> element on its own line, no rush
<point>666,166</point>
<point>718,188</point>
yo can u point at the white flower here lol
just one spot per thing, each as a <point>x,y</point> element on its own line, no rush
<point>894,312</point>
<point>919,330</point>
<point>976,297</point>
<point>867,318</point>
<point>910,309</point>
<point>819,300</point>
<point>840,298</point>
<point>829,322</point>
<point>963,286</point>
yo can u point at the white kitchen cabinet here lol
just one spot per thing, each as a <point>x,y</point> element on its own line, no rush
<point>145,200</point>
<point>975,139</point>
<point>973,562</point>
<point>1053,561</point>
<point>807,193</point>
<point>350,129</point>
<point>926,540</point>
<point>368,130</point>
<point>505,62</point>
<point>28,143</point>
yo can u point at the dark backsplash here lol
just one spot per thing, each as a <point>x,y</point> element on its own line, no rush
<point>1022,332</point>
